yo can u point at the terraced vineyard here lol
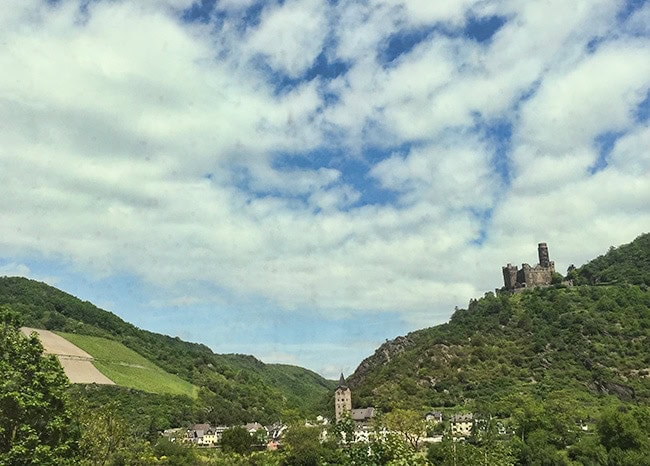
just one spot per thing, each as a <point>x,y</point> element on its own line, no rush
<point>127,368</point>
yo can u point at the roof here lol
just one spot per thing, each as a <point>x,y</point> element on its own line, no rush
<point>362,414</point>
<point>200,427</point>
<point>342,383</point>
<point>254,426</point>
<point>462,417</point>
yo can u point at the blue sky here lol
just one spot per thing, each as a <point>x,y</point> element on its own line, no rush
<point>303,179</point>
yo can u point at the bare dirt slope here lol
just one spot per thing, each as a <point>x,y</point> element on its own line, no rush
<point>76,363</point>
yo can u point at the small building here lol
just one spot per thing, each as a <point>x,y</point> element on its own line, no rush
<point>209,438</point>
<point>461,424</point>
<point>362,414</point>
<point>196,432</point>
<point>218,433</point>
<point>433,416</point>
<point>253,427</point>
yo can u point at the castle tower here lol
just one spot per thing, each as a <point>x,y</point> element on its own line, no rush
<point>542,252</point>
<point>510,276</point>
<point>342,399</point>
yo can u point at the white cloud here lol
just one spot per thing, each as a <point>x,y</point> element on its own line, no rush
<point>291,35</point>
<point>457,175</point>
<point>13,269</point>
<point>631,154</point>
<point>599,94</point>
<point>135,143</point>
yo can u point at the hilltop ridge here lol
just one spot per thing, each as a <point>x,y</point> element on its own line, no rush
<point>591,343</point>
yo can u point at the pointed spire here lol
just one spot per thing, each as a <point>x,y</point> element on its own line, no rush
<point>342,383</point>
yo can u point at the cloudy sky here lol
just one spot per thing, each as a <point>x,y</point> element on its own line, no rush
<point>303,179</point>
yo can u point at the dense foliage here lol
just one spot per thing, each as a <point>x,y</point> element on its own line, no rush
<point>35,423</point>
<point>145,413</point>
<point>235,388</point>
<point>629,263</point>
<point>585,342</point>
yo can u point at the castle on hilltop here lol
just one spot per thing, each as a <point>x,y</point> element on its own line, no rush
<point>530,276</point>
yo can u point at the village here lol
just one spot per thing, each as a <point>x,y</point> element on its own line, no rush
<point>365,425</point>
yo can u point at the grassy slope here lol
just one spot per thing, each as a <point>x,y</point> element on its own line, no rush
<point>127,368</point>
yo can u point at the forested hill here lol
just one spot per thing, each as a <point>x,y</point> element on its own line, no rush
<point>629,263</point>
<point>585,345</point>
<point>233,388</point>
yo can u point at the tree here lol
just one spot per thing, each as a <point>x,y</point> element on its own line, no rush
<point>304,446</point>
<point>106,438</point>
<point>624,437</point>
<point>35,422</point>
<point>451,453</point>
<point>176,453</point>
<point>236,440</point>
<point>344,430</point>
<point>407,423</point>
<point>589,451</point>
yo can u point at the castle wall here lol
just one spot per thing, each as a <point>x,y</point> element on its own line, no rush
<point>529,276</point>
<point>510,276</point>
<point>538,275</point>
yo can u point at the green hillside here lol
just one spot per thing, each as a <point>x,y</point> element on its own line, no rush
<point>552,376</point>
<point>232,388</point>
<point>587,344</point>
<point>127,368</point>
<point>629,263</point>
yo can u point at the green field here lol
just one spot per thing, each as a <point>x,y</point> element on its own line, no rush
<point>127,368</point>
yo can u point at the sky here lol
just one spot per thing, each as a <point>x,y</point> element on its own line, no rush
<point>303,179</point>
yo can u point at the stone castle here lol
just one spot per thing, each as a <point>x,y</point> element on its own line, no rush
<point>530,276</point>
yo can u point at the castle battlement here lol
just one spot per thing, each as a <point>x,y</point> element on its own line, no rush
<point>529,276</point>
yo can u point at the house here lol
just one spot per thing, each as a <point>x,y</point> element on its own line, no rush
<point>173,434</point>
<point>461,424</point>
<point>433,416</point>
<point>218,433</point>
<point>196,432</point>
<point>275,431</point>
<point>209,438</point>
<point>253,427</point>
<point>362,414</point>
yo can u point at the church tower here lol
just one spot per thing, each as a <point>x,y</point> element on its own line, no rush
<point>342,399</point>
